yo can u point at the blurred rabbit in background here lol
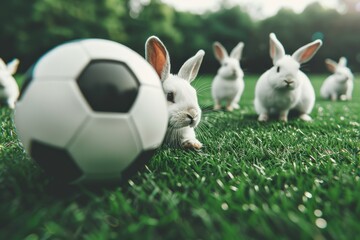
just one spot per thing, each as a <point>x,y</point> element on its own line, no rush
<point>340,84</point>
<point>228,84</point>
<point>9,90</point>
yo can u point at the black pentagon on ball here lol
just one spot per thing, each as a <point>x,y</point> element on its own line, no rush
<point>108,86</point>
<point>56,162</point>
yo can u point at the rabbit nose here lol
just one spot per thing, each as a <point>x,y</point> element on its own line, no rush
<point>192,115</point>
<point>191,118</point>
<point>288,81</point>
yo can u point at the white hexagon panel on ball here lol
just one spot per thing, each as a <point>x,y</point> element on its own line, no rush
<point>65,62</point>
<point>51,112</point>
<point>106,145</point>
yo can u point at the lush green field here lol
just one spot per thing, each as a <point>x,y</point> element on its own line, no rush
<point>252,180</point>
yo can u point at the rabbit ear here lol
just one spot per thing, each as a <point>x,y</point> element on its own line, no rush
<point>13,66</point>
<point>277,50</point>
<point>237,51</point>
<point>191,67</point>
<point>331,65</point>
<point>219,51</point>
<point>2,64</point>
<point>305,53</point>
<point>157,55</point>
<point>342,62</point>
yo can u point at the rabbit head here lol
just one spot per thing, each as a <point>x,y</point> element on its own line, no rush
<point>181,97</point>
<point>7,71</point>
<point>284,73</point>
<point>9,90</point>
<point>230,66</point>
<point>341,72</point>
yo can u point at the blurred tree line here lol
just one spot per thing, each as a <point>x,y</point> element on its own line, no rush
<point>29,28</point>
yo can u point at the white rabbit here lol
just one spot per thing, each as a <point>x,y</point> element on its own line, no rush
<point>340,84</point>
<point>183,107</point>
<point>228,84</point>
<point>284,87</point>
<point>9,90</point>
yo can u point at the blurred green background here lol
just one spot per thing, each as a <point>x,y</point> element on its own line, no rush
<point>29,28</point>
<point>251,180</point>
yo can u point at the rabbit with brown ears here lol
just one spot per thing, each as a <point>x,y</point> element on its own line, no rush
<point>183,107</point>
<point>284,87</point>
<point>228,84</point>
<point>340,84</point>
<point>9,90</point>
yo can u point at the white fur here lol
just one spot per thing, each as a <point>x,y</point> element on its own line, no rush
<point>228,84</point>
<point>340,84</point>
<point>184,111</point>
<point>284,87</point>
<point>9,90</point>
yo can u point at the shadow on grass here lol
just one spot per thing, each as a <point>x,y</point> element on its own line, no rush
<point>31,184</point>
<point>86,191</point>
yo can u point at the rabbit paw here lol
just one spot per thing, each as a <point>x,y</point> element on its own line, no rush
<point>217,107</point>
<point>343,98</point>
<point>263,117</point>
<point>11,104</point>
<point>229,108</point>
<point>305,117</point>
<point>283,118</point>
<point>235,106</point>
<point>334,97</point>
<point>192,144</point>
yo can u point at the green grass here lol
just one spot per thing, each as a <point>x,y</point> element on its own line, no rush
<point>251,181</point>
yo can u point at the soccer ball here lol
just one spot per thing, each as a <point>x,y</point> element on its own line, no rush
<point>91,110</point>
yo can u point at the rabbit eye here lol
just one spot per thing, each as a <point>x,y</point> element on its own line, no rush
<point>278,69</point>
<point>170,97</point>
